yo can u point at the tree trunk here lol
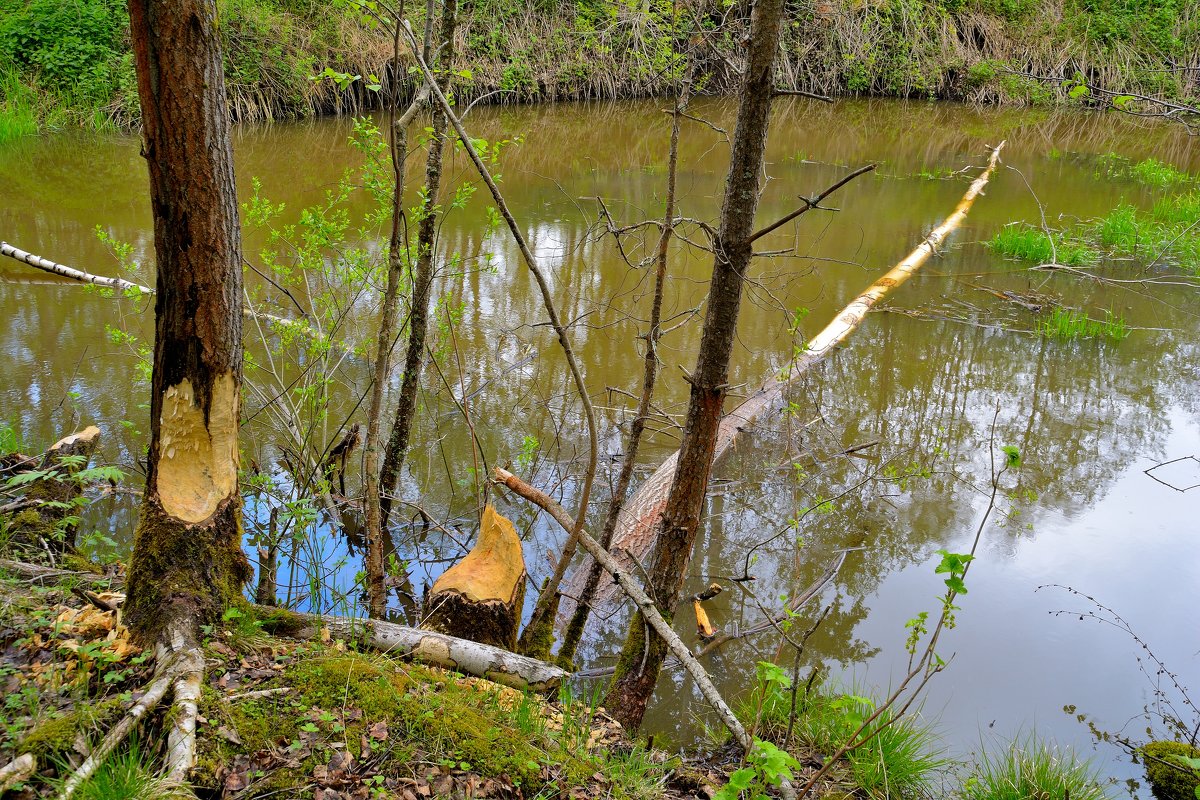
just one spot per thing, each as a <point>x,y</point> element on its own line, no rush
<point>41,524</point>
<point>480,598</point>
<point>574,632</point>
<point>187,560</point>
<point>645,650</point>
<point>418,320</point>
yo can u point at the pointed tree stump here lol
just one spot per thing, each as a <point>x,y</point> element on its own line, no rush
<point>480,598</point>
<point>52,499</point>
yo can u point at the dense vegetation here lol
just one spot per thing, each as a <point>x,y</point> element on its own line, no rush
<point>68,61</point>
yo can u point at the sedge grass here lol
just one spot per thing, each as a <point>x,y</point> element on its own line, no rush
<point>1032,769</point>
<point>899,758</point>
<point>1069,325</point>
<point>1027,243</point>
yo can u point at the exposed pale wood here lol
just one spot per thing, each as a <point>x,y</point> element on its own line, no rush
<point>480,598</point>
<point>634,535</point>
<point>19,769</point>
<point>704,625</point>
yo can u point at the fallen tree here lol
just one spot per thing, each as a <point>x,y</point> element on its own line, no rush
<point>634,536</point>
<point>127,288</point>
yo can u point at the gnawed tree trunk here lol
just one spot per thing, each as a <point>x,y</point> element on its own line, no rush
<point>52,499</point>
<point>634,536</point>
<point>644,650</point>
<point>480,598</point>
<point>187,563</point>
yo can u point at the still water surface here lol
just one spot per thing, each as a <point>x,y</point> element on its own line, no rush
<point>928,379</point>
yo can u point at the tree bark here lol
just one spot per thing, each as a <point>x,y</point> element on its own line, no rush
<point>574,632</point>
<point>644,650</point>
<point>418,320</point>
<point>187,562</point>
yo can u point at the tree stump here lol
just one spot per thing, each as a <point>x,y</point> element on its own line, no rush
<point>52,498</point>
<point>480,598</point>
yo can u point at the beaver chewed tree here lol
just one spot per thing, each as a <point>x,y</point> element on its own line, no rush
<point>187,560</point>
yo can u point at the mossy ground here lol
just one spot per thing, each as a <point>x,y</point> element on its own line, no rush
<point>324,721</point>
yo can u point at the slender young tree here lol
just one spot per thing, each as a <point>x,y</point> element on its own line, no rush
<point>418,321</point>
<point>644,650</point>
<point>187,563</point>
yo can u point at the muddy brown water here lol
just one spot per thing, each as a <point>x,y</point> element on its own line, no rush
<point>946,371</point>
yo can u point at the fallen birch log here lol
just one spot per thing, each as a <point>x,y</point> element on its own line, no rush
<point>634,536</point>
<point>121,285</point>
<point>429,647</point>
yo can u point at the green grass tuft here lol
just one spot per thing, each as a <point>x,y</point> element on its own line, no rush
<point>1032,769</point>
<point>1027,243</point>
<point>1069,325</point>
<point>903,759</point>
<point>130,775</point>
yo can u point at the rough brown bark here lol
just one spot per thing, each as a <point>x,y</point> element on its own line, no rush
<point>418,320</point>
<point>187,560</point>
<point>644,650</point>
<point>574,632</point>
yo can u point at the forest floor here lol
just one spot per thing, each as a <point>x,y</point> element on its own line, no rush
<point>286,718</point>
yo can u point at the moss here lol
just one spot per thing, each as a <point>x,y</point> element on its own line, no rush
<point>427,712</point>
<point>280,621</point>
<point>57,735</point>
<point>1168,782</point>
<point>179,568</point>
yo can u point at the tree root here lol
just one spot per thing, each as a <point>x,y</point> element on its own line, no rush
<point>19,769</point>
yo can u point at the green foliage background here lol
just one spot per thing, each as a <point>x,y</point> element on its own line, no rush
<point>68,61</point>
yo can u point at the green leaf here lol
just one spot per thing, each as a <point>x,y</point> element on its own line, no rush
<point>1122,100</point>
<point>1078,92</point>
<point>1012,456</point>
<point>773,673</point>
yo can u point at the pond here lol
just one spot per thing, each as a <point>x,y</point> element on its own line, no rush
<point>951,371</point>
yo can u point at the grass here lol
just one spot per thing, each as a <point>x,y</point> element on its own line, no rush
<point>1031,770</point>
<point>18,113</point>
<point>1150,172</point>
<point>1070,325</point>
<point>1027,243</point>
<point>902,760</point>
<point>131,774</point>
